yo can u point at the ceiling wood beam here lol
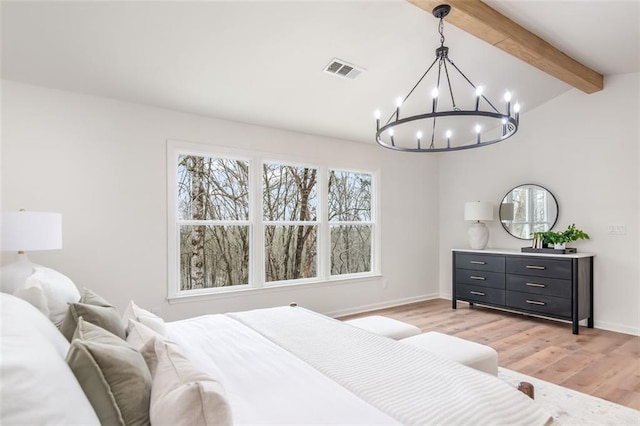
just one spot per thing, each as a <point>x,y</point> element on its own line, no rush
<point>484,22</point>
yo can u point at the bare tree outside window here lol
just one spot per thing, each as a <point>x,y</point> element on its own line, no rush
<point>349,210</point>
<point>290,201</point>
<point>230,218</point>
<point>213,193</point>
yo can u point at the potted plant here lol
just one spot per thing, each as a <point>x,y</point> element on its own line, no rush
<point>559,239</point>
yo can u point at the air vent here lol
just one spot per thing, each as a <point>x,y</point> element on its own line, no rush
<point>340,68</point>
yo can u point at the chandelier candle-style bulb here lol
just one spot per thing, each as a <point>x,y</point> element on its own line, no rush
<point>391,136</point>
<point>479,91</point>
<point>504,126</point>
<point>478,129</point>
<point>516,110</point>
<point>398,104</point>
<point>419,136</point>
<point>507,99</point>
<point>434,95</point>
<point>448,135</point>
<point>377,115</point>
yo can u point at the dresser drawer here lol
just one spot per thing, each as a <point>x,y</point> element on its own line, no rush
<point>536,303</point>
<point>480,262</point>
<point>539,285</point>
<point>480,294</point>
<point>480,278</point>
<point>539,267</point>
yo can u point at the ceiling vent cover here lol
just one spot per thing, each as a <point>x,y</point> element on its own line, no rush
<point>341,68</point>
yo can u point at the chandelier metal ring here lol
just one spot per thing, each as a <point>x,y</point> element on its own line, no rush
<point>511,128</point>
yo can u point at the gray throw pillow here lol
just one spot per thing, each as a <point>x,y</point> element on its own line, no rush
<point>112,374</point>
<point>95,310</point>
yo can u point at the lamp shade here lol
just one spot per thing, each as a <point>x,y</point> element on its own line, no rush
<point>30,231</point>
<point>478,210</point>
<point>506,211</point>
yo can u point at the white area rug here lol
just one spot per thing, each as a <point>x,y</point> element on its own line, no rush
<point>569,407</point>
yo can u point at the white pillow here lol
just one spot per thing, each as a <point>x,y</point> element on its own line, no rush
<point>58,290</point>
<point>37,385</point>
<point>181,394</point>
<point>21,318</point>
<point>136,313</point>
<point>32,292</point>
<point>138,334</point>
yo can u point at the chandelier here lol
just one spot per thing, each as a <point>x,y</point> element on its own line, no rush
<point>446,125</point>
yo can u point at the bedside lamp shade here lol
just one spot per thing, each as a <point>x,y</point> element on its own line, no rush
<point>31,231</point>
<point>506,211</point>
<point>478,231</point>
<point>478,210</point>
<point>26,231</point>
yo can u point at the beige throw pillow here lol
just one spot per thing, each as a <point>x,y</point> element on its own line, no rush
<point>181,394</point>
<point>149,319</point>
<point>112,374</point>
<point>95,310</point>
<point>138,334</point>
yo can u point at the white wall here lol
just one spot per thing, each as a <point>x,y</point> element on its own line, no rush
<point>102,164</point>
<point>584,149</point>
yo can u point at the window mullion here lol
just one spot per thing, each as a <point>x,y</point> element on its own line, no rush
<point>376,208</point>
<point>257,249</point>
<point>324,232</point>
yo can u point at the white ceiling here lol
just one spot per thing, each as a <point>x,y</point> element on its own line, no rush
<point>261,62</point>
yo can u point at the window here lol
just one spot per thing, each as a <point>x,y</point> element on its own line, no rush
<point>289,203</point>
<point>241,221</point>
<point>350,222</point>
<point>213,219</point>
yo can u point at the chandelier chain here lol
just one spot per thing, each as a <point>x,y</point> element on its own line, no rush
<point>441,31</point>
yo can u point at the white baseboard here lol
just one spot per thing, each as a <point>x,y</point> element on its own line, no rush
<point>603,325</point>
<point>619,328</point>
<point>381,305</point>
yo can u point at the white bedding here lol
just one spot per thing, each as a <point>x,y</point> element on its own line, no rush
<point>266,384</point>
<point>290,365</point>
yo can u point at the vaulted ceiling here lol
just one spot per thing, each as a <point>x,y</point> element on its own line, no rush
<point>261,62</point>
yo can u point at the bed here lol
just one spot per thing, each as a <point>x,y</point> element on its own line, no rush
<point>284,365</point>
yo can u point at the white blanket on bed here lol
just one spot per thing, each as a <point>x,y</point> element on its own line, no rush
<point>411,385</point>
<point>264,383</point>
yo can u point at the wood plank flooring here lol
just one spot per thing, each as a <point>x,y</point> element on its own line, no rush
<point>596,362</point>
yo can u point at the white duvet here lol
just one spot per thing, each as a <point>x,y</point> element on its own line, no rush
<point>290,365</point>
<point>266,384</point>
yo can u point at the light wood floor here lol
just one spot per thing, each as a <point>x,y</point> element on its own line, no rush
<point>597,362</point>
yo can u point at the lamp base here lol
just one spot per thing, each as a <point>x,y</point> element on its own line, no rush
<point>478,236</point>
<point>14,275</point>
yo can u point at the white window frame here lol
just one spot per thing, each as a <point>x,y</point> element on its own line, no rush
<point>372,222</point>
<point>257,224</point>
<point>317,223</point>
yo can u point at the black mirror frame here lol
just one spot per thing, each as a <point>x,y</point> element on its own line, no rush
<point>518,186</point>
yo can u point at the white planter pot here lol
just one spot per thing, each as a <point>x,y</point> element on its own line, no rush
<point>560,246</point>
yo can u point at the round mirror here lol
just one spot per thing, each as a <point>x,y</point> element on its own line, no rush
<point>527,209</point>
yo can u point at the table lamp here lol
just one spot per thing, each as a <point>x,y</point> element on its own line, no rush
<point>23,231</point>
<point>478,231</point>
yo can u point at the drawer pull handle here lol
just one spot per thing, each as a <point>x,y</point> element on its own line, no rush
<point>535,285</point>
<point>473,277</point>
<point>477,262</point>
<point>535,302</point>
<point>536,267</point>
<point>477,293</point>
